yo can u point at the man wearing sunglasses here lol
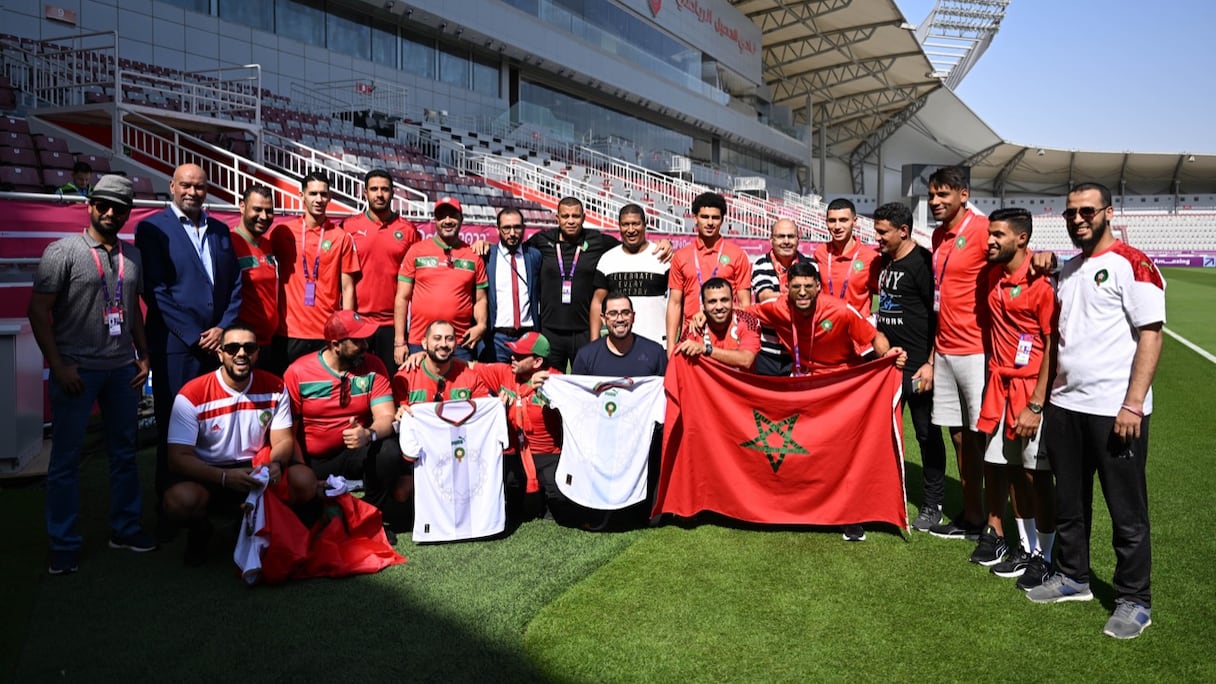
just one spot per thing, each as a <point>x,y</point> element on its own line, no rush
<point>1112,311</point>
<point>86,319</point>
<point>441,278</point>
<point>226,425</point>
<point>435,374</point>
<point>342,409</point>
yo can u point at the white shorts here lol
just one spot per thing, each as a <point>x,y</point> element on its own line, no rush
<point>958,390</point>
<point>1017,452</point>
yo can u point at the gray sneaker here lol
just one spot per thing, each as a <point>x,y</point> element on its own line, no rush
<point>926,518</point>
<point>1128,620</point>
<point>1059,588</point>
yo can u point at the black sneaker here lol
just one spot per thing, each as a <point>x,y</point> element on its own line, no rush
<point>63,562</point>
<point>390,535</point>
<point>198,538</point>
<point>1014,564</point>
<point>990,549</point>
<point>854,533</point>
<point>1037,570</point>
<point>927,518</point>
<point>953,530</point>
<point>140,542</point>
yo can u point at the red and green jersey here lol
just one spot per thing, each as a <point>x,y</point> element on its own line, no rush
<point>445,280</point>
<point>259,284</point>
<point>833,335</point>
<point>317,392</point>
<point>724,260</point>
<point>743,333</point>
<point>528,411</point>
<point>381,247</point>
<point>326,251</point>
<point>851,276</point>
<point>419,385</point>
<point>960,255</point>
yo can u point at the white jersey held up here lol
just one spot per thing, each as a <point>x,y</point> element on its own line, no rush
<point>607,426</point>
<point>457,448</point>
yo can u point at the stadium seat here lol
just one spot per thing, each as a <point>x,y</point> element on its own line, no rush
<point>47,143</point>
<point>98,164</point>
<point>143,188</point>
<point>20,179</point>
<point>18,156</point>
<point>55,160</point>
<point>11,124</point>
<point>56,178</point>
<point>18,140</point>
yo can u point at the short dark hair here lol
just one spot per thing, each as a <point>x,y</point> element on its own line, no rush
<point>716,283</point>
<point>237,326</point>
<point>953,177</point>
<point>82,167</point>
<point>896,213</point>
<point>803,269</point>
<point>442,321</point>
<point>1017,218</point>
<point>504,212</point>
<point>377,173</point>
<point>313,176</point>
<point>259,189</point>
<point>709,200</point>
<point>842,203</point>
<point>631,209</point>
<point>568,201</point>
<point>615,294</point>
<point>1102,190</point>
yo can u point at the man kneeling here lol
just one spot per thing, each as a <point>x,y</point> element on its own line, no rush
<point>220,423</point>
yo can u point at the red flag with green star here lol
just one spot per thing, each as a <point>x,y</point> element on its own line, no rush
<point>824,449</point>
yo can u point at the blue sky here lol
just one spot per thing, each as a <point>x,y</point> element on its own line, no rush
<point>1097,75</point>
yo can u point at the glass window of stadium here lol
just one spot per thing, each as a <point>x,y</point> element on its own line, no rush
<point>303,20</point>
<point>348,35</point>
<point>596,123</point>
<point>255,15</point>
<point>200,6</point>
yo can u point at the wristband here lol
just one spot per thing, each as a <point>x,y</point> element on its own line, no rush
<point>1132,410</point>
<point>400,344</point>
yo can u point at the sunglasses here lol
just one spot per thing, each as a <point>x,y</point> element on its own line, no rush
<point>232,348</point>
<point>104,207</point>
<point>439,387</point>
<point>344,390</point>
<point>448,253</point>
<point>1086,213</point>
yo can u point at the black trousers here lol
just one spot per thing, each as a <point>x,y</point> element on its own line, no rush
<point>929,437</point>
<point>381,344</point>
<point>773,366</point>
<point>1080,445</point>
<point>379,465</point>
<point>564,346</point>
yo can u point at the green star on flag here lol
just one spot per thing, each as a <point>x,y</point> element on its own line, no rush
<point>767,427</point>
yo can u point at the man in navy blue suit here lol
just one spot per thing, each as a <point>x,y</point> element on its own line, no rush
<point>513,269</point>
<point>192,288</point>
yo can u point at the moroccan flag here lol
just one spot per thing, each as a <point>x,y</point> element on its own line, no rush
<point>348,539</point>
<point>824,449</point>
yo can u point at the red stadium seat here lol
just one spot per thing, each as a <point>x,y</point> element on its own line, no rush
<point>18,156</point>
<point>20,179</point>
<point>56,178</point>
<point>10,124</point>
<point>13,139</point>
<point>143,188</point>
<point>50,143</point>
<point>98,164</point>
<point>55,160</point>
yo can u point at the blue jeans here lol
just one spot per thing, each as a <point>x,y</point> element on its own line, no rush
<point>119,402</point>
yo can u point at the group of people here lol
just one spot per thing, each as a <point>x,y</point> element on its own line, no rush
<point>299,346</point>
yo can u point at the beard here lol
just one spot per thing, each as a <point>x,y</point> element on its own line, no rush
<point>1097,231</point>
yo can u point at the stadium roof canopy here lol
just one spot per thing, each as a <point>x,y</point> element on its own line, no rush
<point>857,64</point>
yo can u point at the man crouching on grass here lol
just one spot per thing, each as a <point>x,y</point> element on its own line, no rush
<point>222,427</point>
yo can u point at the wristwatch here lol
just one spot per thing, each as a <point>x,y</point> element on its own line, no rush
<point>709,348</point>
<point>371,439</point>
<point>1036,409</point>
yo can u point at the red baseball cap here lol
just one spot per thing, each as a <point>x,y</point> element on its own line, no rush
<point>531,343</point>
<point>448,202</point>
<point>347,324</point>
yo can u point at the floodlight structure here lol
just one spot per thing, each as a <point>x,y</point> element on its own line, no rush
<point>956,33</point>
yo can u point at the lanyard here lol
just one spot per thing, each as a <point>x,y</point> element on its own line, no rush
<point>797,369</point>
<point>696,260</point>
<point>561,266</point>
<point>105,289</point>
<point>844,287</point>
<point>962,230</point>
<point>316,263</point>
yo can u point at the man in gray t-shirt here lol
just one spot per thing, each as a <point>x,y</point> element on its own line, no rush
<point>86,318</point>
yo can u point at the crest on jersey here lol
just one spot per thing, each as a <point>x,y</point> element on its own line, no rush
<point>264,417</point>
<point>1101,277</point>
<point>858,264</point>
<point>399,235</point>
<point>326,244</point>
<point>961,242</point>
<point>826,325</point>
<point>1017,290</point>
<point>724,259</point>
<point>458,450</point>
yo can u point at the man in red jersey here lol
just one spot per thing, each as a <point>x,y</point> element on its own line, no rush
<point>848,269</point>
<point>259,272</point>
<point>381,237</point>
<point>441,278</point>
<point>955,370</point>
<point>317,271</point>
<point>530,464</point>
<point>709,256</point>
<point>434,374</point>
<point>342,407</point>
<point>1019,331</point>
<point>730,337</point>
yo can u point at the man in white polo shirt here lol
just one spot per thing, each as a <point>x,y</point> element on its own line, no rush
<point>1112,311</point>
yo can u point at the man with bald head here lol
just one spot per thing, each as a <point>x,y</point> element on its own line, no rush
<point>192,288</point>
<point>770,280</point>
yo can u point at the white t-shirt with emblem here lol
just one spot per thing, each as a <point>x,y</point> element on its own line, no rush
<point>457,448</point>
<point>1104,301</point>
<point>607,426</point>
<point>227,426</point>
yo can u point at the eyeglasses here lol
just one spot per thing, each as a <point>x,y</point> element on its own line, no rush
<point>1087,213</point>
<point>344,390</point>
<point>618,314</point>
<point>439,387</point>
<point>104,207</point>
<point>232,348</point>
